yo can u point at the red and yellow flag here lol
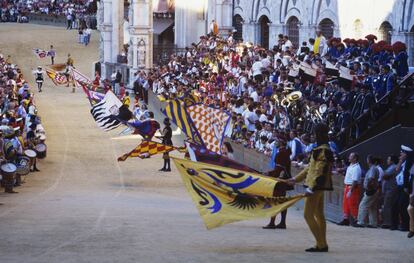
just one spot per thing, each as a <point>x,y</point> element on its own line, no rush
<point>56,77</point>
<point>148,148</point>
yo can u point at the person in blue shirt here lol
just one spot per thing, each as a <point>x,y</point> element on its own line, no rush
<point>376,83</point>
<point>404,172</point>
<point>385,56</point>
<point>400,59</point>
<point>332,144</point>
<point>388,80</point>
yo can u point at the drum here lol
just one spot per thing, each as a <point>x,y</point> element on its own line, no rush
<point>8,172</point>
<point>23,165</point>
<point>41,150</point>
<point>32,156</point>
<point>30,153</point>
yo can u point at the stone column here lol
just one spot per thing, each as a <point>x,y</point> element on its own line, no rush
<point>224,16</point>
<point>141,36</point>
<point>117,28</point>
<point>105,27</point>
<point>274,31</point>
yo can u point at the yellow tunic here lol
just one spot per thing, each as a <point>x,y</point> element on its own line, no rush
<point>318,175</point>
<point>316,45</point>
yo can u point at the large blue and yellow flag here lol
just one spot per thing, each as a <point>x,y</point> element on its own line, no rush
<point>223,195</point>
<point>177,113</point>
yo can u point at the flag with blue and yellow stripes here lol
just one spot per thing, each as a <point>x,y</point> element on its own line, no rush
<point>177,114</point>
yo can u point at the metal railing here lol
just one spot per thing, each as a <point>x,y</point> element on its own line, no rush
<point>162,53</point>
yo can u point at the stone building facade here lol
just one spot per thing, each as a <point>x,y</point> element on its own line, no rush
<point>260,21</point>
<point>257,21</point>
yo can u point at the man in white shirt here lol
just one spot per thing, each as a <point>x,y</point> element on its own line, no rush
<point>254,95</point>
<point>250,118</point>
<point>352,190</point>
<point>257,70</point>
<point>287,43</point>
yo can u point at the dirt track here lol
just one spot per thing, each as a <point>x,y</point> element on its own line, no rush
<point>85,207</point>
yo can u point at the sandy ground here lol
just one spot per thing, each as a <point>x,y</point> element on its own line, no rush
<point>85,207</point>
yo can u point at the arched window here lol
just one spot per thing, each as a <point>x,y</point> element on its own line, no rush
<point>238,26</point>
<point>264,31</point>
<point>358,28</point>
<point>385,32</point>
<point>293,30</point>
<point>327,28</point>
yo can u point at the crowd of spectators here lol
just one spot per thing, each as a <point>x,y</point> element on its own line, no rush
<point>286,90</point>
<point>21,127</point>
<point>18,10</point>
<point>386,188</point>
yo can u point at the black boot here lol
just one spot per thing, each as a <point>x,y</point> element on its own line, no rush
<point>168,165</point>
<point>271,224</point>
<point>282,224</point>
<point>164,167</point>
<point>344,222</point>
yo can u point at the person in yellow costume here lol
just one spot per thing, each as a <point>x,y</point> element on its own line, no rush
<point>318,178</point>
<point>320,47</point>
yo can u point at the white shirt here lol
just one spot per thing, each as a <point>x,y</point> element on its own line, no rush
<point>380,173</point>
<point>250,120</point>
<point>353,174</point>
<point>257,68</point>
<point>287,45</point>
<point>254,96</point>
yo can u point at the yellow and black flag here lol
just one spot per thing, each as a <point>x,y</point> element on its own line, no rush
<point>177,113</point>
<point>223,195</point>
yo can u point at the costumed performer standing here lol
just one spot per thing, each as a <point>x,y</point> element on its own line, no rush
<point>282,171</point>
<point>68,72</point>
<point>318,178</point>
<point>166,140</point>
<point>39,78</point>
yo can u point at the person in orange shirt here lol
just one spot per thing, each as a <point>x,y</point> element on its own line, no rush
<point>214,27</point>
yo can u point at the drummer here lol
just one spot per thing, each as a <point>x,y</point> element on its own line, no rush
<point>31,142</point>
<point>39,78</point>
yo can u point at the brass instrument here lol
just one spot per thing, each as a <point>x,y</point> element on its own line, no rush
<point>294,96</point>
<point>285,102</point>
<point>314,113</point>
<point>323,108</point>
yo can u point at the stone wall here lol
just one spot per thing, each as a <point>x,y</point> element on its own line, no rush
<point>43,19</point>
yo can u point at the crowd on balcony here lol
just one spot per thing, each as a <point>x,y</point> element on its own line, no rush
<point>18,10</point>
<point>22,135</point>
<point>288,89</point>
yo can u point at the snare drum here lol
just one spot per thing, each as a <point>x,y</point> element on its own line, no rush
<point>8,171</point>
<point>23,165</point>
<point>32,156</point>
<point>41,150</point>
<point>30,153</point>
